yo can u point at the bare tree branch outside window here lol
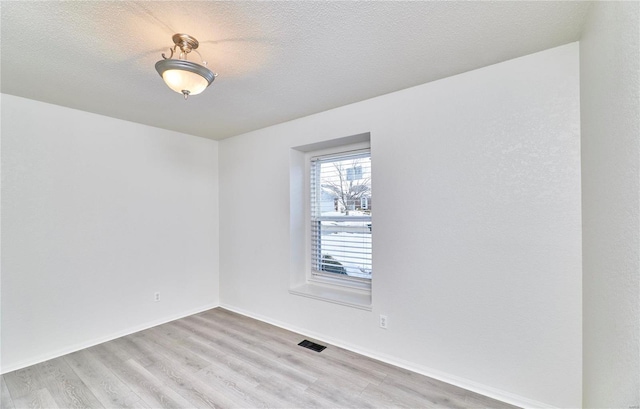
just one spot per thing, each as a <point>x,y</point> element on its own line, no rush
<point>349,184</point>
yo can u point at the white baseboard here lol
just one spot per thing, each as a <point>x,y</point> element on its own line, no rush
<point>100,340</point>
<point>476,387</point>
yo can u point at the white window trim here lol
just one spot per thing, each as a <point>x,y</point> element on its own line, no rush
<point>328,279</point>
<point>302,282</point>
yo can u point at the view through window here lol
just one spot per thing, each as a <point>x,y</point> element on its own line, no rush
<point>341,207</point>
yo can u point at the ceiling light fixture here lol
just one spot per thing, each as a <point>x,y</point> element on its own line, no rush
<point>182,76</point>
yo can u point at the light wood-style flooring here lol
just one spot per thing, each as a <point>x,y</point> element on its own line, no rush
<point>219,359</point>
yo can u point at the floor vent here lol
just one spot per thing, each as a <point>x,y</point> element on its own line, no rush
<point>312,345</point>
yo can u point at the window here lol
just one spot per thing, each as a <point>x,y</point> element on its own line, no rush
<point>341,205</point>
<point>320,226</point>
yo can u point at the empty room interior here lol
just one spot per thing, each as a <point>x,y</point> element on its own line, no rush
<point>320,204</point>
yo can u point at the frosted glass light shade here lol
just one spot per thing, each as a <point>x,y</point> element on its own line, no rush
<point>179,80</point>
<point>185,77</point>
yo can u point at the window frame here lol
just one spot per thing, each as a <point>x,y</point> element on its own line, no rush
<point>324,278</point>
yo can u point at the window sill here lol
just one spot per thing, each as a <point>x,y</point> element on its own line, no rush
<point>334,295</point>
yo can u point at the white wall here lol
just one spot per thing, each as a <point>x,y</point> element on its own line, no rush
<point>97,215</point>
<point>610,112</point>
<point>480,274</point>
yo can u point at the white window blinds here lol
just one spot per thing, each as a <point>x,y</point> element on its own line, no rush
<point>341,208</point>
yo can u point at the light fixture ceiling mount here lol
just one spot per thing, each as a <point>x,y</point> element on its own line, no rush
<point>182,76</point>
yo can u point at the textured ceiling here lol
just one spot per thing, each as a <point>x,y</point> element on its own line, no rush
<point>276,60</point>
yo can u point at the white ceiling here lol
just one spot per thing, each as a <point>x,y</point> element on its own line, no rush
<point>276,60</point>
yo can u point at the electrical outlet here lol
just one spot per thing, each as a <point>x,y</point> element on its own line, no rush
<point>383,321</point>
<point>156,297</point>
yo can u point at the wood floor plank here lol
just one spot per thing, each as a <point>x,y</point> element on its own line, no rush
<point>175,369</point>
<point>237,367</point>
<point>128,349</point>
<point>64,385</point>
<point>416,395</point>
<point>28,389</point>
<point>442,390</point>
<point>152,390</point>
<point>344,394</point>
<point>379,396</point>
<point>189,386</point>
<point>247,326</point>
<point>6,402</point>
<point>113,351</point>
<point>220,359</point>
<point>299,377</point>
<point>150,340</point>
<point>102,382</point>
<point>39,399</point>
<point>284,395</point>
<point>238,388</point>
<point>366,363</point>
<point>22,382</point>
<point>149,388</point>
